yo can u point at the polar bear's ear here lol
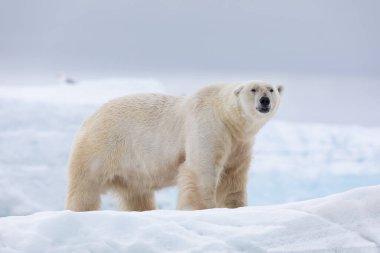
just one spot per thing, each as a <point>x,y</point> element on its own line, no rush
<point>280,89</point>
<point>237,90</point>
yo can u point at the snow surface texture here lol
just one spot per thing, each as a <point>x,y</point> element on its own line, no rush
<point>291,161</point>
<point>347,222</point>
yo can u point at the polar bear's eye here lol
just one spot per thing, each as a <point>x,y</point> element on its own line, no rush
<point>253,90</point>
<point>271,90</point>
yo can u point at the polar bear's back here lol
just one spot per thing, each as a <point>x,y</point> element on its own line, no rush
<point>138,112</point>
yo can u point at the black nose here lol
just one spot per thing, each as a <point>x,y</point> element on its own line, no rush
<point>264,101</point>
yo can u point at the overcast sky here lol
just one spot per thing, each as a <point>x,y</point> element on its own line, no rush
<point>123,36</point>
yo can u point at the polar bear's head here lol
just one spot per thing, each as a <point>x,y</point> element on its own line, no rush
<point>258,99</point>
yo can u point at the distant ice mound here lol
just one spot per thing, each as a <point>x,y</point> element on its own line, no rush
<point>85,92</point>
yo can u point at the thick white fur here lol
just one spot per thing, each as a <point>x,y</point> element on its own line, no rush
<point>137,144</point>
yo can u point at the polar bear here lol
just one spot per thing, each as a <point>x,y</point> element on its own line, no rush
<point>138,144</point>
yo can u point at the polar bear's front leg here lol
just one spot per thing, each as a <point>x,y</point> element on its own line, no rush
<point>207,146</point>
<point>232,188</point>
<point>134,201</point>
<point>197,187</point>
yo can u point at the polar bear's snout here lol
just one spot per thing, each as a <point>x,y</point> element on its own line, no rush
<point>265,101</point>
<point>264,106</point>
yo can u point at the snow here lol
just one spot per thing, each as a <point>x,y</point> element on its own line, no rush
<point>347,222</point>
<point>292,162</point>
<point>85,92</point>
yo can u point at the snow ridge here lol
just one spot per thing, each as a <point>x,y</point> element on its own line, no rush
<point>347,222</point>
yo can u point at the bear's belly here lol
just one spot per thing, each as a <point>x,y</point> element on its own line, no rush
<point>153,168</point>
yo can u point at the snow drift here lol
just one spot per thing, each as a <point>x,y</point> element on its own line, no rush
<point>347,222</point>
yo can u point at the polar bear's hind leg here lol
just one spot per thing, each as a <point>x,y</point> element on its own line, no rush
<point>83,194</point>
